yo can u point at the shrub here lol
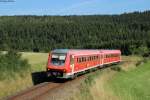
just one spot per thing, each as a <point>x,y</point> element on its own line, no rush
<point>11,64</point>
<point>145,59</point>
<point>116,68</point>
<point>142,50</point>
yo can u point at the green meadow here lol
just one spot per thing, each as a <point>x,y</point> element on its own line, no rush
<point>132,85</point>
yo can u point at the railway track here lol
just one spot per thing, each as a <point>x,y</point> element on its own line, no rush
<point>43,90</point>
<point>34,91</point>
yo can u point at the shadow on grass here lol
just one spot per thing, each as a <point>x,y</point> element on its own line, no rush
<point>40,77</point>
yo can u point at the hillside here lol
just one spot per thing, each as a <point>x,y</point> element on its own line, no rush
<point>131,83</point>
<point>43,33</point>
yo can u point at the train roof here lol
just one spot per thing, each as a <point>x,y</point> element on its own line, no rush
<point>60,50</point>
<point>84,51</point>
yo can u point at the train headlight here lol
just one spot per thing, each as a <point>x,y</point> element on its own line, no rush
<point>64,70</point>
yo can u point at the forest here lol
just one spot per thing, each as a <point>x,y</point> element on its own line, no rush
<point>129,32</point>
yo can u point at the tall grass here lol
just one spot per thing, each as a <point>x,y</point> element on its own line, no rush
<point>11,64</point>
<point>16,72</point>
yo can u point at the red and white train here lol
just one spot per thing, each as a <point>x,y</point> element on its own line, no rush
<point>67,63</point>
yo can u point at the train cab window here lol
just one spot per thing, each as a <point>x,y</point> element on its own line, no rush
<point>58,59</point>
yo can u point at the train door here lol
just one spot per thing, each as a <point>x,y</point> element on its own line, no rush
<point>100,57</point>
<point>72,64</point>
<point>103,57</point>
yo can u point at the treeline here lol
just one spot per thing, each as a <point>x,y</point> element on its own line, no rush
<point>43,33</point>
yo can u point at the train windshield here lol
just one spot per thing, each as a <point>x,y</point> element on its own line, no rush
<point>58,59</point>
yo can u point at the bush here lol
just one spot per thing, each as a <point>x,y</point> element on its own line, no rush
<point>12,64</point>
<point>116,68</point>
<point>145,59</point>
<point>142,50</point>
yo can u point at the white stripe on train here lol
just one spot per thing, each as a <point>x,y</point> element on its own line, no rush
<point>68,75</point>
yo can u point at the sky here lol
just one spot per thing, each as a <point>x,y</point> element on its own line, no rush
<point>71,7</point>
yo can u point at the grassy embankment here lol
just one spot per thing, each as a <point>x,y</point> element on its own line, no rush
<point>10,86</point>
<point>131,83</point>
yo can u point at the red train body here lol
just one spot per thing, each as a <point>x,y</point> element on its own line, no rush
<point>66,63</point>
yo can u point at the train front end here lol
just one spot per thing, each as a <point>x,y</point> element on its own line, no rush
<point>57,64</point>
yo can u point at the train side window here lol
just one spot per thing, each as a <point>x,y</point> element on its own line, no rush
<point>80,60</point>
<point>85,59</point>
<point>113,55</point>
<point>88,58</point>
